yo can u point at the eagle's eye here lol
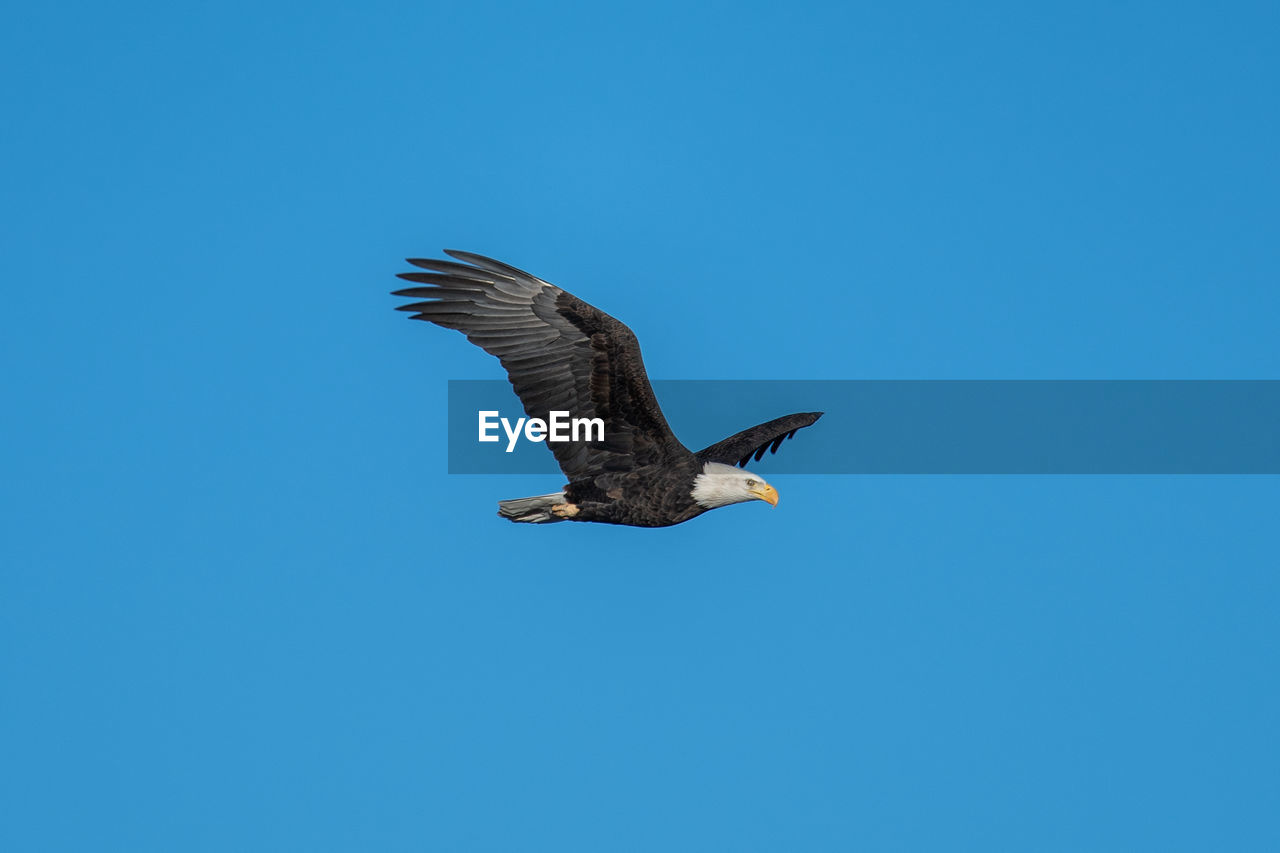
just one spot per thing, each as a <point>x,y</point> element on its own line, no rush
<point>750,483</point>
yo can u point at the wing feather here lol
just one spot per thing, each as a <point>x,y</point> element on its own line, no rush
<point>739,449</point>
<point>560,353</point>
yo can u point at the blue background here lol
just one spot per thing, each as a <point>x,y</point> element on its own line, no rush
<point>242,607</point>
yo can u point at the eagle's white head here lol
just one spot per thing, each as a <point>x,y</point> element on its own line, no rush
<point>721,485</point>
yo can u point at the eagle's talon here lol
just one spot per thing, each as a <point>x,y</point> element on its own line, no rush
<point>565,510</point>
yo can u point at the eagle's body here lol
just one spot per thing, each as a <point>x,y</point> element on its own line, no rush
<point>562,354</point>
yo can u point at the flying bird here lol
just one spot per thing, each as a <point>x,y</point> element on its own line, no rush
<point>562,354</point>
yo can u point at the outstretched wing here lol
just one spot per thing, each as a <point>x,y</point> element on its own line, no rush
<point>560,353</point>
<point>738,449</point>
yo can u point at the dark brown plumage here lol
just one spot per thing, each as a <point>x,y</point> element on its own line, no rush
<point>563,354</point>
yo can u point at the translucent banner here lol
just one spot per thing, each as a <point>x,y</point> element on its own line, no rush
<point>921,426</point>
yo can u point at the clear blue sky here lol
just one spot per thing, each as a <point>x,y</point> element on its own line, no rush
<point>242,607</point>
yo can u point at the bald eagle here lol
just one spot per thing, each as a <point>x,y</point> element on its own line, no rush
<point>562,354</point>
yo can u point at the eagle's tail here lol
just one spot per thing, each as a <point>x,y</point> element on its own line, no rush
<point>535,510</point>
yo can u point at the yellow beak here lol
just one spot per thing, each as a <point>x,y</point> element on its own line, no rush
<point>766,493</point>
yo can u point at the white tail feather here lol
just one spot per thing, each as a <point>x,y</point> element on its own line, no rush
<point>536,510</point>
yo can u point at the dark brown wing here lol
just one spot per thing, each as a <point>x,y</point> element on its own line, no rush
<point>560,353</point>
<point>738,449</point>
